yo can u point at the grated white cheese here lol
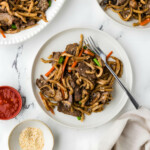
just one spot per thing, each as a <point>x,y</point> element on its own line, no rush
<point>31,139</point>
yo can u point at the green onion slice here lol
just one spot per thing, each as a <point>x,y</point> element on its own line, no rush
<point>96,62</point>
<point>79,118</point>
<point>80,102</point>
<point>13,26</point>
<point>50,2</point>
<point>85,47</point>
<point>61,60</point>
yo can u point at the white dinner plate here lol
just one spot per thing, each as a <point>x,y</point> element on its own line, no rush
<point>58,43</point>
<point>13,140</point>
<point>28,33</point>
<point>115,17</point>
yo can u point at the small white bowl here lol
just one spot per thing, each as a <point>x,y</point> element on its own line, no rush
<point>13,140</point>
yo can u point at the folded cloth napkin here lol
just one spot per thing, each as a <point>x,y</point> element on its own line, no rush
<point>130,132</point>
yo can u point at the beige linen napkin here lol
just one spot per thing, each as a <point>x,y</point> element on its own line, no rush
<point>130,132</point>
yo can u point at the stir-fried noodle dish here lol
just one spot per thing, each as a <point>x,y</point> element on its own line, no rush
<point>130,10</point>
<point>17,15</point>
<point>78,82</point>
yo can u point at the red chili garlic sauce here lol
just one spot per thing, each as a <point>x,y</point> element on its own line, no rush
<point>9,103</point>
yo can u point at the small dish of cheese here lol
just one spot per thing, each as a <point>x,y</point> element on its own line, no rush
<point>31,139</point>
<point>31,135</point>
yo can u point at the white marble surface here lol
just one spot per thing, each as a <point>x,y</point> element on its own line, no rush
<point>15,69</point>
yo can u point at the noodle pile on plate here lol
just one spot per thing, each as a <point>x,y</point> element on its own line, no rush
<point>78,82</point>
<point>17,15</point>
<point>130,9</point>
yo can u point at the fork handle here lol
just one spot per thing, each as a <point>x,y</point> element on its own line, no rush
<point>123,87</point>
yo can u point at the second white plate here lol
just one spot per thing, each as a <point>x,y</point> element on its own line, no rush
<point>28,33</point>
<point>115,17</point>
<point>58,43</point>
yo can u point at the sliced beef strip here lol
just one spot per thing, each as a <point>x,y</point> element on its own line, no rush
<point>72,83</point>
<point>65,107</point>
<point>58,96</point>
<point>104,2</point>
<point>76,88</point>
<point>6,19</point>
<point>43,5</point>
<point>71,48</point>
<point>21,25</point>
<point>30,23</point>
<point>120,2</point>
<point>82,67</point>
<point>40,82</point>
<point>56,55</point>
<point>70,99</point>
<point>77,94</point>
<point>72,80</point>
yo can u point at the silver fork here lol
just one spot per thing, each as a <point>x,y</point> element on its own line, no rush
<point>91,44</point>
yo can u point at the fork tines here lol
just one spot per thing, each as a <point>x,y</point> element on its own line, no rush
<point>91,44</point>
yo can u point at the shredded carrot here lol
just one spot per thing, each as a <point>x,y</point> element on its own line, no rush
<point>89,52</point>
<point>109,55</point>
<point>2,33</point>
<point>41,95</point>
<point>75,63</point>
<point>81,52</point>
<point>146,21</point>
<point>51,70</point>
<point>65,63</point>
<point>51,109</point>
